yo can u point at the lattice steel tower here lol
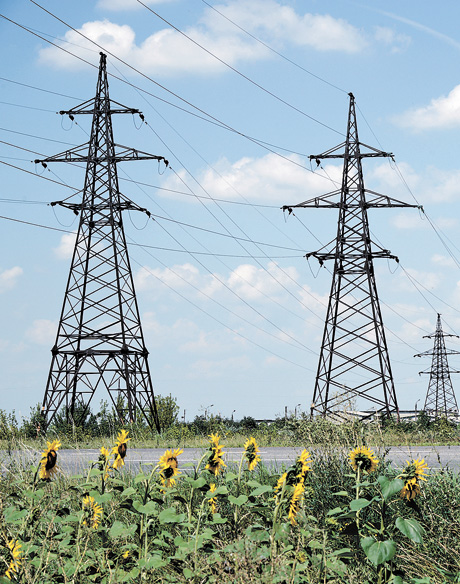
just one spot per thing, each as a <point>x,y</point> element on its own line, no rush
<point>354,361</point>
<point>440,397</point>
<point>99,343</point>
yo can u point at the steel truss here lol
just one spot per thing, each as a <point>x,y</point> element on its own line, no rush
<point>99,343</point>
<point>440,398</point>
<point>354,361</point>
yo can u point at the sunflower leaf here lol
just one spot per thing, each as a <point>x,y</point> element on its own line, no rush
<point>358,504</point>
<point>260,490</point>
<point>390,488</point>
<point>170,516</point>
<point>378,552</point>
<point>411,528</point>
<point>230,476</point>
<point>241,500</point>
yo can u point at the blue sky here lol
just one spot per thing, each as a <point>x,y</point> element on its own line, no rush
<point>232,312</point>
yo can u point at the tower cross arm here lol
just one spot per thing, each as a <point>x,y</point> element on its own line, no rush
<point>333,199</point>
<point>81,154</point>
<point>334,152</point>
<point>89,107</point>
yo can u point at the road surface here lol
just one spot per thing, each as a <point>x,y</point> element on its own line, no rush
<point>77,461</point>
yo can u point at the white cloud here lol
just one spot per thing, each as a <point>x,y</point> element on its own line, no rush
<point>66,246</point>
<point>270,179</point>
<point>407,221</point>
<point>8,278</point>
<point>429,280</point>
<point>432,185</point>
<point>167,51</point>
<point>42,332</point>
<point>387,36</point>
<point>443,261</point>
<point>442,112</point>
<point>125,5</point>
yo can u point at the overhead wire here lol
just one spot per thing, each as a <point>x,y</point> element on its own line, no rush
<point>208,117</point>
<point>234,331</point>
<point>270,48</point>
<point>235,70</point>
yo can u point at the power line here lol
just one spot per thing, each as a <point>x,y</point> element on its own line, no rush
<point>267,91</point>
<point>274,50</point>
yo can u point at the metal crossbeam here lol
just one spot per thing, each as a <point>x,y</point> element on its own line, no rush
<point>99,343</point>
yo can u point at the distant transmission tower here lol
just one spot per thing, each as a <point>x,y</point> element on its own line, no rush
<point>99,343</point>
<point>440,398</point>
<point>354,361</point>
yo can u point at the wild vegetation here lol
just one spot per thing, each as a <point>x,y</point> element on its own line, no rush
<point>328,518</point>
<point>283,431</point>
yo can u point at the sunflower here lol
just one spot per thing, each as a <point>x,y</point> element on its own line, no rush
<point>363,458</point>
<point>251,453</point>
<point>215,461</point>
<point>93,512</point>
<point>213,500</point>
<point>13,568</point>
<point>169,470</point>
<point>296,500</point>
<point>303,465</point>
<point>410,490</point>
<point>281,481</point>
<point>412,474</point>
<point>120,449</point>
<point>48,460</point>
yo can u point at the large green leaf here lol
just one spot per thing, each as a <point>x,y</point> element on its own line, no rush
<point>378,552</point>
<point>260,490</point>
<point>150,508</point>
<point>358,504</point>
<point>241,500</point>
<point>170,516</point>
<point>411,528</point>
<point>119,529</point>
<point>390,488</point>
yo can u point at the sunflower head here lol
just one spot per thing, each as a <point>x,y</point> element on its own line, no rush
<point>214,461</point>
<point>120,448</point>
<point>15,550</point>
<point>169,458</point>
<point>414,470</point>
<point>410,490</point>
<point>92,512</point>
<point>251,453</point>
<point>49,459</point>
<point>104,454</point>
<point>302,465</point>
<point>363,458</point>
<point>212,500</point>
<point>281,481</point>
<point>296,501</point>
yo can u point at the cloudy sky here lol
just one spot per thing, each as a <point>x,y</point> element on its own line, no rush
<point>236,94</point>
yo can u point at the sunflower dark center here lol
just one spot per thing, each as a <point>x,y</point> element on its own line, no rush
<point>168,472</point>
<point>364,462</point>
<point>122,449</point>
<point>51,458</point>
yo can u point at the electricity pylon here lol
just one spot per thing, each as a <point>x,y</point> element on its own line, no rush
<point>354,361</point>
<point>99,342</point>
<point>440,398</point>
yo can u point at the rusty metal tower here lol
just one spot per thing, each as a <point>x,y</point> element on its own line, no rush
<point>99,342</point>
<point>440,398</point>
<point>354,361</point>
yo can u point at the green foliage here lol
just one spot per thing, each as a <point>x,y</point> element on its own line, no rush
<point>348,529</point>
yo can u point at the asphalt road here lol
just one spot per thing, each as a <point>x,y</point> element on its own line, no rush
<point>76,461</point>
